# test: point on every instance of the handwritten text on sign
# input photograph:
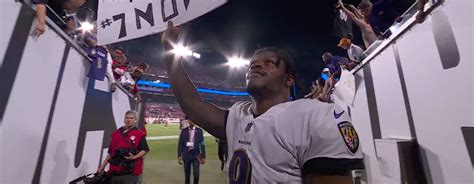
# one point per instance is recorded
(120, 20)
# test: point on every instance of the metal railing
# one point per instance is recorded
(395, 31)
(72, 42)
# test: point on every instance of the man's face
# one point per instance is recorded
(70, 24)
(113, 53)
(265, 72)
(191, 123)
(326, 59)
(130, 120)
(118, 55)
(345, 47)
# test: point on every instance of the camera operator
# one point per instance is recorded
(126, 150)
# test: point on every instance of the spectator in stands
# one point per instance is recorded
(126, 150)
(313, 90)
(126, 80)
(75, 11)
(420, 17)
(316, 88)
(121, 69)
(327, 89)
(40, 16)
(322, 89)
(222, 151)
(119, 61)
(333, 63)
(139, 70)
(136, 73)
(73, 7)
(118, 55)
(353, 51)
(382, 15)
(101, 64)
(191, 151)
(71, 25)
(85, 14)
(359, 18)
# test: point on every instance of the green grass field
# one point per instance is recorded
(161, 164)
(161, 130)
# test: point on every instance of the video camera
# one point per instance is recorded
(120, 160)
(93, 178)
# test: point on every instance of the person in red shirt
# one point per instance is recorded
(126, 150)
(119, 60)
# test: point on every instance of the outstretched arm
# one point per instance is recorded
(420, 17)
(41, 16)
(358, 21)
(206, 115)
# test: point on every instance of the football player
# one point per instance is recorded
(272, 139)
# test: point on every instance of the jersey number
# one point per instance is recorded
(240, 168)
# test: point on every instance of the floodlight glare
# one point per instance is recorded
(182, 51)
(236, 62)
(196, 55)
(86, 26)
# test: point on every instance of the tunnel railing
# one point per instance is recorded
(408, 20)
(72, 41)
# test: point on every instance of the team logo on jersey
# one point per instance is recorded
(349, 134)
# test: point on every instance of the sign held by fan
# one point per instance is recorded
(121, 20)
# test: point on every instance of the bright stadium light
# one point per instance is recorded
(86, 26)
(182, 50)
(196, 55)
(237, 62)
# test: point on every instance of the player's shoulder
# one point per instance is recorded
(310, 106)
(242, 103)
(241, 107)
(315, 109)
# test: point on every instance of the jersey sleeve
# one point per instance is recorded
(235, 115)
(329, 142)
(232, 115)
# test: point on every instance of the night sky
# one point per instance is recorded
(305, 28)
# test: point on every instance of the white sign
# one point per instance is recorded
(120, 20)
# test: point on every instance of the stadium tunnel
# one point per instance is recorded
(413, 107)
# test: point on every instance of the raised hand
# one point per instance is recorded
(171, 34)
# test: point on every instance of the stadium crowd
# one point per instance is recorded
(161, 111)
(78, 20)
(373, 18)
